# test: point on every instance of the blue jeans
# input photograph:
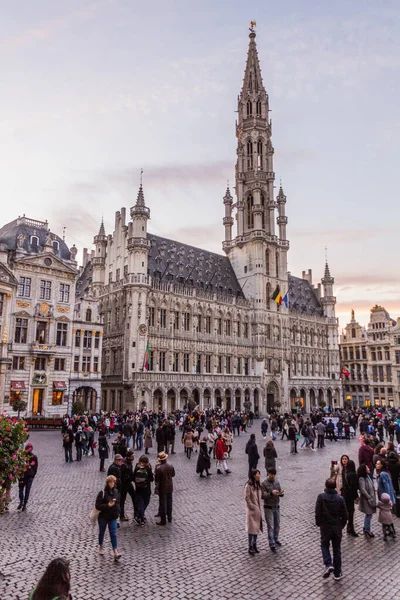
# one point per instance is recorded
(334, 536)
(112, 528)
(25, 487)
(139, 441)
(367, 522)
(306, 441)
(142, 502)
(273, 520)
(128, 441)
(252, 540)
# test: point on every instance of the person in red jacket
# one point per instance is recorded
(221, 454)
(365, 454)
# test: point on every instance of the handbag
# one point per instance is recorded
(94, 515)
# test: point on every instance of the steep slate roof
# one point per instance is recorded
(179, 263)
(84, 280)
(28, 227)
(302, 298)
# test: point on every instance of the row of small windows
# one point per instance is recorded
(45, 289)
(185, 362)
(202, 324)
(250, 155)
(308, 367)
(88, 339)
(41, 336)
(34, 243)
(20, 363)
(351, 353)
(86, 364)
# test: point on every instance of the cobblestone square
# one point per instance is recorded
(203, 552)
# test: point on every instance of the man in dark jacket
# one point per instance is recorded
(170, 436)
(161, 437)
(164, 474)
(68, 440)
(252, 453)
(25, 483)
(331, 517)
(115, 469)
(127, 484)
(127, 430)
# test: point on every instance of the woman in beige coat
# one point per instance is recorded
(188, 442)
(252, 499)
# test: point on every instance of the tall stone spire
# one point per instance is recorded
(252, 81)
(102, 231)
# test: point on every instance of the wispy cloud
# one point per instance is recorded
(51, 27)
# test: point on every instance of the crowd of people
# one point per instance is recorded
(369, 481)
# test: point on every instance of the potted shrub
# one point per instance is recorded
(13, 434)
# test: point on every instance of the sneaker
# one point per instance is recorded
(327, 572)
(278, 543)
(338, 576)
(137, 520)
(101, 550)
(273, 549)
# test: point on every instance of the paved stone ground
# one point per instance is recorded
(203, 553)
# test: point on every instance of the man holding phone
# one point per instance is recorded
(271, 492)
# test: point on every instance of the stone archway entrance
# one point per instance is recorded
(158, 400)
(321, 398)
(238, 399)
(207, 397)
(303, 397)
(87, 397)
(329, 397)
(312, 398)
(293, 398)
(195, 399)
(256, 401)
(218, 398)
(183, 398)
(171, 400)
(272, 395)
(228, 399)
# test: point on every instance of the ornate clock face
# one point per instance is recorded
(142, 329)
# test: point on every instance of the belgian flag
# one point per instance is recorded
(277, 296)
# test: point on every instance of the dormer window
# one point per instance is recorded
(88, 315)
(34, 241)
(56, 246)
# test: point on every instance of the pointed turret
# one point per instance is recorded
(102, 231)
(138, 244)
(252, 81)
(228, 219)
(328, 300)
(282, 218)
(99, 259)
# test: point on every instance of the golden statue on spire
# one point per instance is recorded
(252, 26)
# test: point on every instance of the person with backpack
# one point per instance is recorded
(80, 438)
(142, 478)
(68, 440)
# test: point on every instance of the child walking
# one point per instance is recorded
(386, 516)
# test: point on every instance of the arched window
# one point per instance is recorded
(260, 155)
(249, 108)
(277, 263)
(88, 315)
(267, 261)
(249, 155)
(34, 241)
(250, 216)
(258, 108)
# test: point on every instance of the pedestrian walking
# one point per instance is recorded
(26, 480)
(331, 518)
(104, 449)
(79, 441)
(221, 455)
(127, 486)
(271, 493)
(252, 453)
(68, 440)
(320, 428)
(188, 442)
(107, 502)
(142, 478)
(367, 503)
(270, 455)
(148, 440)
(252, 499)
(204, 460)
(55, 582)
(164, 480)
(386, 517)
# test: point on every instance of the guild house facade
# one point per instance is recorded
(184, 325)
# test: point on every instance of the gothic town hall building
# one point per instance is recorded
(187, 326)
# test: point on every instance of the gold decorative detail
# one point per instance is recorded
(44, 308)
(63, 309)
(23, 304)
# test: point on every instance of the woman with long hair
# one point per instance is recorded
(349, 490)
(368, 502)
(252, 498)
(54, 583)
(270, 455)
(107, 502)
(385, 485)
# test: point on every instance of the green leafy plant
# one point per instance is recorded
(19, 405)
(13, 434)
(77, 407)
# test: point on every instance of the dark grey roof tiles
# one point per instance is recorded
(27, 228)
(186, 265)
(84, 280)
(302, 298)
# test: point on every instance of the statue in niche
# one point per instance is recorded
(74, 252)
(20, 240)
(49, 239)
